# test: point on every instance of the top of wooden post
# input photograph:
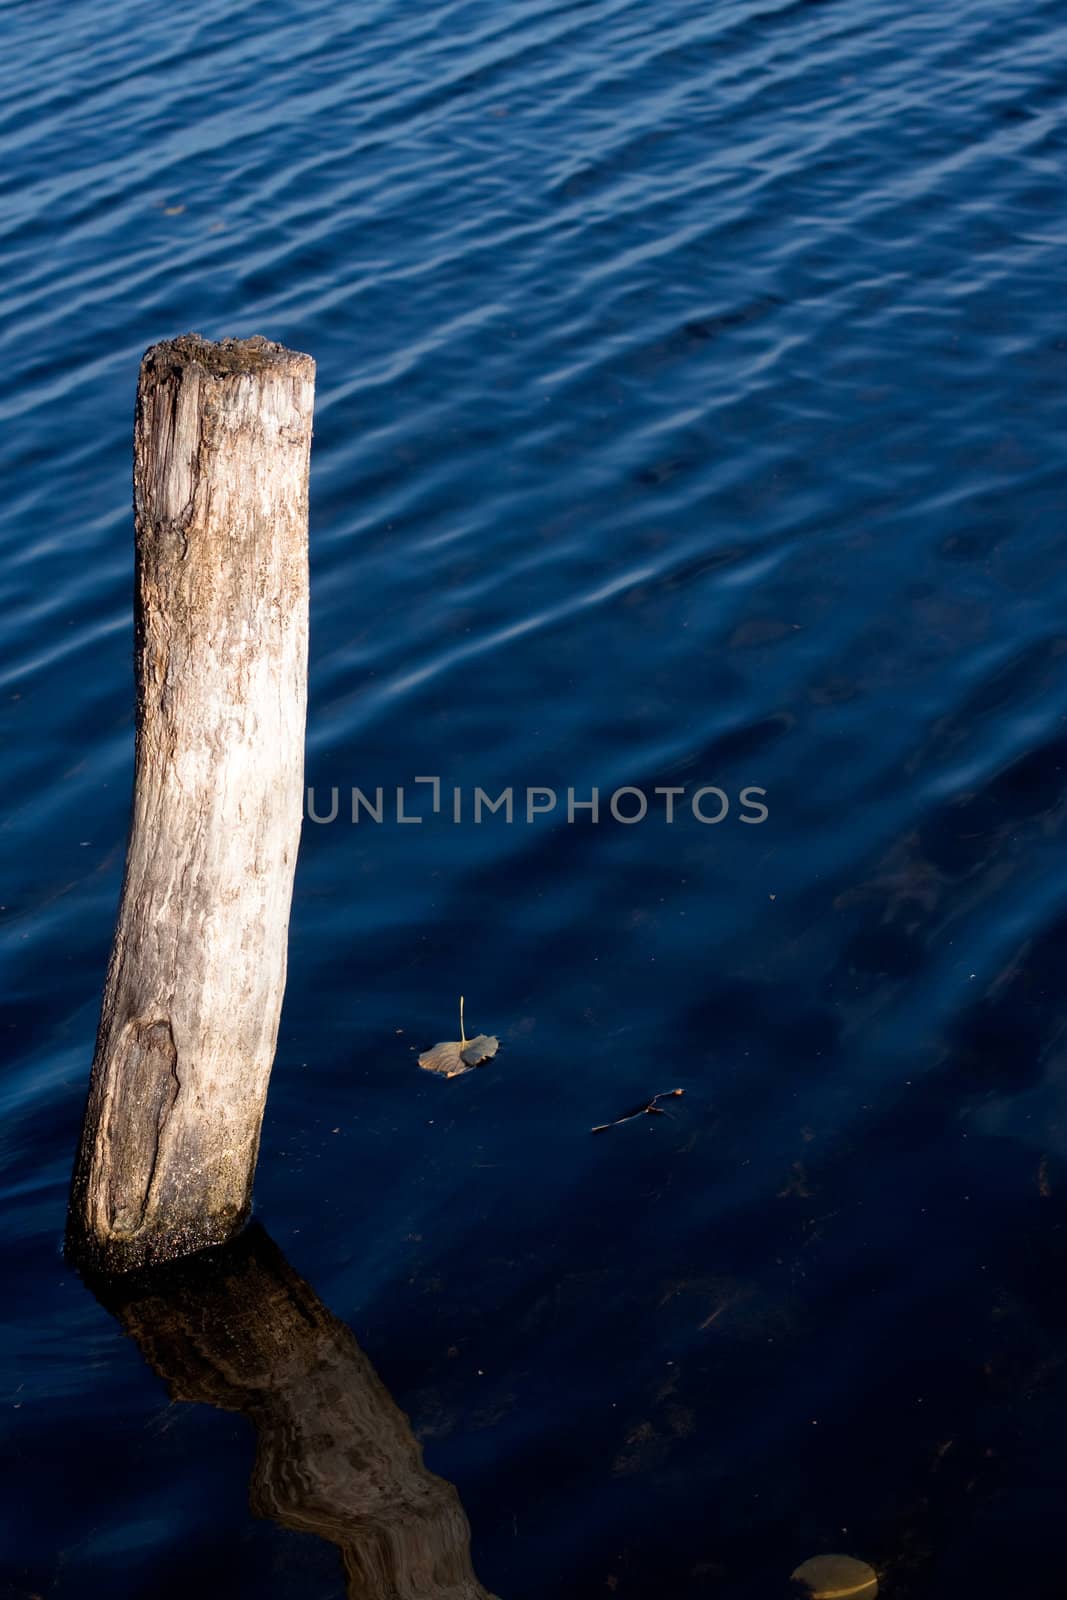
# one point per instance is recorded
(228, 358)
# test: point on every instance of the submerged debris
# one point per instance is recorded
(459, 1055)
(838, 1576)
(649, 1109)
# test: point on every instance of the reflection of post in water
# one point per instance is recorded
(237, 1328)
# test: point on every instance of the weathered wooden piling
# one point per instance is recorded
(194, 987)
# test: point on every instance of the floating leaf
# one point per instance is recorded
(444, 1058)
(837, 1578)
(480, 1049)
(459, 1055)
(649, 1108)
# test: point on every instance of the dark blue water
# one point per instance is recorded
(692, 394)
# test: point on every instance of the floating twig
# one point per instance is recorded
(649, 1109)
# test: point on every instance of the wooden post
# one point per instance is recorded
(194, 987)
(335, 1456)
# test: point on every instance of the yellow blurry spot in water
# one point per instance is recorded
(837, 1578)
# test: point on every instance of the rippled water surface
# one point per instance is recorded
(691, 412)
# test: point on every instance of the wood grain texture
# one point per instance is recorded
(335, 1456)
(194, 987)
